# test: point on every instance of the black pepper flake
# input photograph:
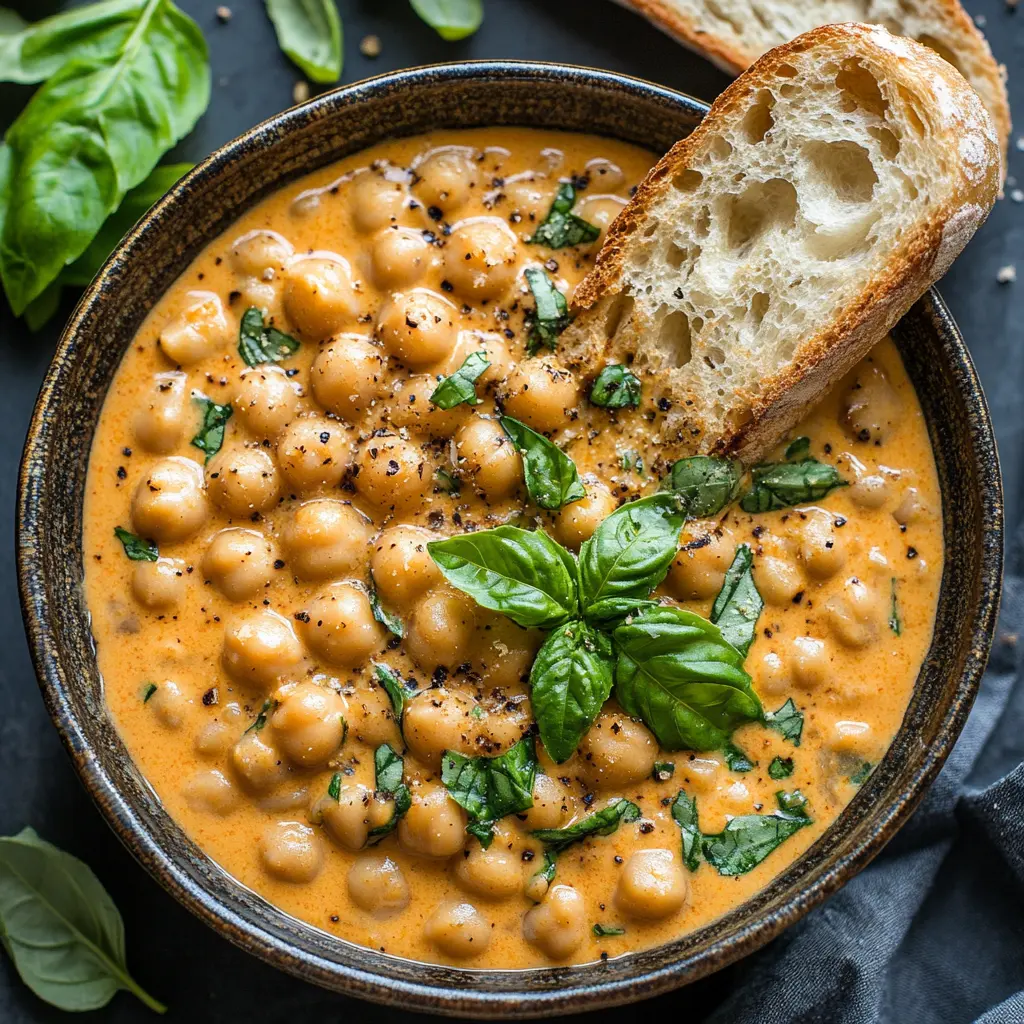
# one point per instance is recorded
(302, 616)
(438, 676)
(334, 918)
(838, 522)
(392, 469)
(447, 286)
(646, 827)
(211, 697)
(911, 552)
(121, 473)
(664, 404)
(278, 563)
(798, 597)
(126, 452)
(757, 532)
(324, 437)
(528, 855)
(617, 859)
(588, 799)
(435, 212)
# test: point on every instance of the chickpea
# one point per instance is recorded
(291, 852)
(159, 585)
(375, 201)
(605, 174)
(771, 675)
(459, 930)
(617, 751)
(871, 409)
(348, 376)
(210, 791)
(377, 885)
(480, 258)
(698, 571)
(577, 522)
(601, 210)
(259, 251)
(445, 177)
(409, 405)
(508, 652)
(242, 480)
(435, 721)
(488, 459)
(266, 400)
(822, 548)
(441, 630)
(810, 660)
(341, 628)
(160, 420)
(401, 566)
(313, 452)
(169, 503)
(199, 331)
(370, 718)
(393, 473)
(309, 723)
(553, 804)
(257, 762)
(851, 737)
(870, 491)
(541, 394)
(255, 291)
(238, 562)
(856, 613)
(325, 538)
(529, 194)
(494, 874)
(320, 297)
(350, 819)
(496, 349)
(777, 580)
(400, 257)
(434, 826)
(418, 328)
(911, 507)
(702, 773)
(652, 885)
(259, 648)
(214, 740)
(558, 925)
(169, 704)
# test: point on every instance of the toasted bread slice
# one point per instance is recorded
(766, 253)
(734, 33)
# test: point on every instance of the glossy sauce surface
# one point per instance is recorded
(390, 268)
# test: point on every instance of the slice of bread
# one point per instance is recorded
(766, 253)
(734, 33)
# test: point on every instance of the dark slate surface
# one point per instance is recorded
(961, 939)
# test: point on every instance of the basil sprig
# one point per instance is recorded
(552, 479)
(211, 432)
(561, 227)
(616, 388)
(489, 788)
(788, 721)
(738, 605)
(776, 485)
(460, 387)
(389, 769)
(551, 315)
(601, 823)
(137, 549)
(258, 343)
(705, 485)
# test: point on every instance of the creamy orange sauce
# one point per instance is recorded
(194, 625)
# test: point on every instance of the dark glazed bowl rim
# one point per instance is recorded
(431, 990)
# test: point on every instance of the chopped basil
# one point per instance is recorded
(392, 623)
(148, 689)
(797, 447)
(551, 315)
(444, 481)
(748, 839)
(630, 460)
(258, 343)
(137, 549)
(684, 814)
(334, 787)
(601, 823)
(788, 721)
(399, 692)
(562, 227)
(738, 605)
(895, 620)
(780, 768)
(663, 771)
(704, 484)
(737, 760)
(477, 712)
(603, 931)
(616, 388)
(264, 713)
(546, 871)
(551, 476)
(389, 769)
(861, 775)
(211, 433)
(776, 485)
(460, 387)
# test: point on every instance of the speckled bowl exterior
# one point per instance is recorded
(50, 554)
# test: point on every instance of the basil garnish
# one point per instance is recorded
(628, 556)
(705, 485)
(663, 771)
(265, 712)
(570, 680)
(451, 19)
(309, 32)
(677, 674)
(737, 760)
(551, 476)
(148, 690)
(776, 485)
(489, 788)
(334, 787)
(602, 823)
(460, 387)
(860, 776)
(551, 315)
(389, 769)
(392, 623)
(259, 344)
(684, 813)
(604, 931)
(780, 768)
(797, 447)
(562, 227)
(523, 574)
(399, 692)
(615, 388)
(895, 619)
(738, 605)
(211, 433)
(137, 549)
(444, 481)
(788, 721)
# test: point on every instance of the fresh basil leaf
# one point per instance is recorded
(334, 786)
(895, 620)
(389, 770)
(776, 485)
(663, 771)
(451, 19)
(309, 33)
(551, 476)
(570, 680)
(547, 869)
(797, 447)
(11, 22)
(211, 432)
(746, 840)
(737, 760)
(148, 689)
(601, 823)
(628, 556)
(604, 931)
(260, 722)
(137, 549)
(399, 692)
(551, 315)
(523, 574)
(860, 776)
(780, 768)
(630, 459)
(616, 388)
(61, 928)
(704, 484)
(258, 344)
(561, 227)
(392, 623)
(460, 387)
(43, 307)
(738, 605)
(677, 674)
(94, 131)
(788, 720)
(444, 481)
(684, 814)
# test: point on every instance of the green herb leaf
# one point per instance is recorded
(523, 574)
(895, 620)
(211, 433)
(444, 481)
(264, 714)
(738, 605)
(137, 549)
(788, 721)
(561, 227)
(747, 840)
(258, 344)
(630, 459)
(684, 813)
(94, 131)
(628, 556)
(451, 19)
(148, 689)
(861, 775)
(334, 786)
(737, 760)
(797, 447)
(460, 387)
(398, 691)
(780, 768)
(547, 869)
(601, 823)
(677, 674)
(309, 33)
(551, 315)
(61, 928)
(704, 484)
(616, 388)
(603, 931)
(776, 485)
(663, 771)
(392, 623)
(551, 476)
(389, 770)
(570, 680)
(43, 307)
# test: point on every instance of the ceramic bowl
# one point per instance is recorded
(50, 555)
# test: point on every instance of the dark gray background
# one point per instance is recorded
(202, 977)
